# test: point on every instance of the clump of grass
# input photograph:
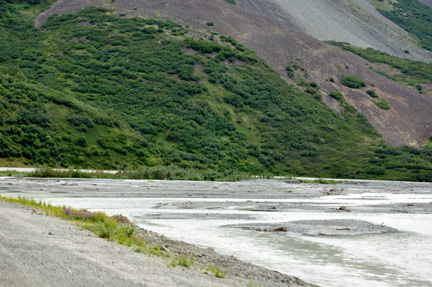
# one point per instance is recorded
(216, 271)
(182, 261)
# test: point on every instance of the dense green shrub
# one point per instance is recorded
(337, 95)
(203, 46)
(372, 93)
(352, 82)
(382, 104)
(81, 121)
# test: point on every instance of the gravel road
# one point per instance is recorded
(37, 250)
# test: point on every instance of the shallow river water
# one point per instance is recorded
(211, 214)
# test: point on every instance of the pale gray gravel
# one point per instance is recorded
(37, 250)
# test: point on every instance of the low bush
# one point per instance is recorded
(337, 95)
(382, 104)
(372, 93)
(352, 82)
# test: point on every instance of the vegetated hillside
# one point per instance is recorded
(414, 74)
(408, 120)
(96, 90)
(412, 15)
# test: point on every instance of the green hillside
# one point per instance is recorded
(410, 73)
(97, 91)
(412, 15)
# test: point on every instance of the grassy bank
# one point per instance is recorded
(112, 229)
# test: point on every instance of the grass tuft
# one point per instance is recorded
(216, 271)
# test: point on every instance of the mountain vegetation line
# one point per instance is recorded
(94, 90)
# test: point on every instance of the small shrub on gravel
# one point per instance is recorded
(352, 82)
(336, 95)
(372, 93)
(382, 104)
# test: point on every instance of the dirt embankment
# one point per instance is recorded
(36, 250)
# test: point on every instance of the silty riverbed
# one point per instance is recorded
(355, 233)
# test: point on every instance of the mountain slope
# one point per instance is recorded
(355, 21)
(95, 90)
(407, 122)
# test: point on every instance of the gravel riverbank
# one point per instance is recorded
(37, 250)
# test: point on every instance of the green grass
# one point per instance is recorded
(182, 261)
(216, 271)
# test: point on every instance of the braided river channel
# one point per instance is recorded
(353, 233)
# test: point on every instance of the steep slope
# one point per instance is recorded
(95, 90)
(102, 91)
(413, 16)
(355, 21)
(427, 2)
(406, 123)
